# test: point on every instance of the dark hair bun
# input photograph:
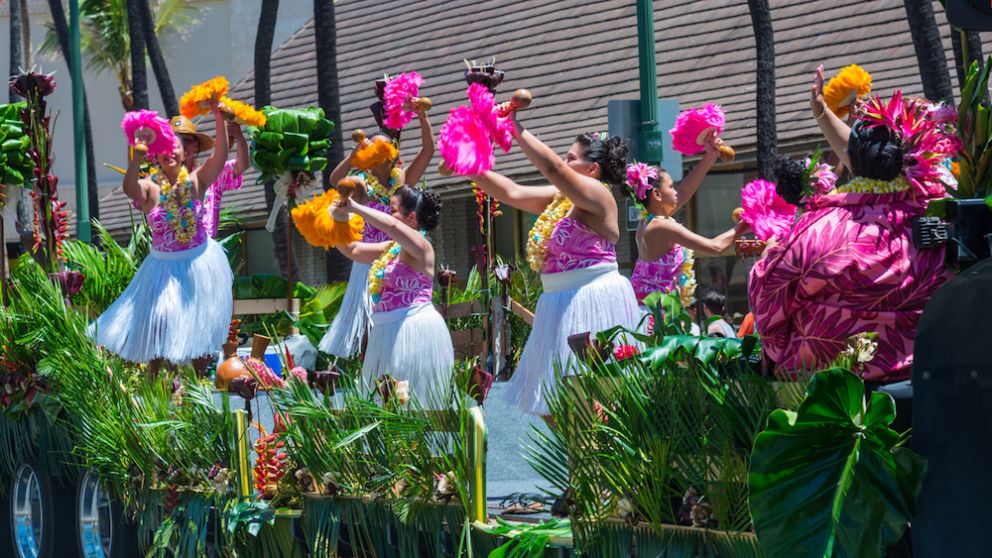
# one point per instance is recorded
(425, 203)
(789, 179)
(875, 152)
(611, 155)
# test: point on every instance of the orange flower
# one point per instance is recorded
(197, 100)
(956, 169)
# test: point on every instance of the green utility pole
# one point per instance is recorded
(649, 139)
(76, 69)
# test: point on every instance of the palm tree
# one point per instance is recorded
(105, 35)
(139, 74)
(16, 57)
(158, 61)
(61, 28)
(764, 39)
(325, 39)
(929, 50)
(263, 51)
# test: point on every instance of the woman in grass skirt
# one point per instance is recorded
(178, 306)
(409, 340)
(572, 245)
(344, 338)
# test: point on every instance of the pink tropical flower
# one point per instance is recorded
(768, 214)
(623, 352)
(639, 176)
(691, 127)
(397, 93)
(267, 379)
(943, 114)
(823, 177)
(299, 373)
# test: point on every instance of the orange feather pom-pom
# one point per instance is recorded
(373, 153)
(243, 113)
(197, 100)
(319, 229)
(850, 84)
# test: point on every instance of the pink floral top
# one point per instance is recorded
(848, 266)
(227, 181)
(164, 235)
(403, 287)
(575, 246)
(661, 275)
(370, 233)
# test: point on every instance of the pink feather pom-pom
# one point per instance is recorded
(464, 143)
(398, 91)
(768, 214)
(691, 127)
(155, 131)
(500, 128)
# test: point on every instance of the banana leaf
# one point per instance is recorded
(830, 479)
(16, 168)
(291, 140)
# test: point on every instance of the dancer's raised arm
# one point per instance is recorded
(137, 189)
(532, 199)
(672, 231)
(833, 128)
(418, 166)
(690, 183)
(208, 173)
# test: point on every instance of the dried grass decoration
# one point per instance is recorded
(196, 101)
(850, 84)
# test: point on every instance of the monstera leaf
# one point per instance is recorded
(291, 140)
(830, 480)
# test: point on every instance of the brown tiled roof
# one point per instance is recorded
(576, 56)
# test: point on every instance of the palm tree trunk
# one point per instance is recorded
(62, 30)
(263, 52)
(139, 75)
(26, 35)
(159, 66)
(16, 55)
(764, 40)
(929, 51)
(325, 37)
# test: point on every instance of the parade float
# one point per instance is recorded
(664, 443)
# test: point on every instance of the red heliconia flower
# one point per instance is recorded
(623, 352)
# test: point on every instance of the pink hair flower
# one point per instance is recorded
(765, 211)
(397, 93)
(639, 176)
(822, 177)
(150, 129)
(692, 127)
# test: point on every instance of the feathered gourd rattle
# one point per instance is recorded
(767, 213)
(694, 125)
(149, 133)
(469, 137)
(319, 227)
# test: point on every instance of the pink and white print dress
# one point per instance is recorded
(178, 306)
(659, 276)
(583, 291)
(409, 339)
(848, 266)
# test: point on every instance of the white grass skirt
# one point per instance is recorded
(344, 338)
(411, 344)
(177, 307)
(591, 299)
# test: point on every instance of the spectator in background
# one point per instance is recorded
(714, 306)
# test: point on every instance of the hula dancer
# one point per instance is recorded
(572, 245)
(178, 306)
(409, 340)
(344, 338)
(664, 246)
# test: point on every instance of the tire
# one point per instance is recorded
(40, 515)
(102, 527)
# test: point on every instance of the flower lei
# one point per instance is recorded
(179, 208)
(862, 185)
(378, 269)
(379, 192)
(540, 233)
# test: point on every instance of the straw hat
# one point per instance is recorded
(183, 125)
